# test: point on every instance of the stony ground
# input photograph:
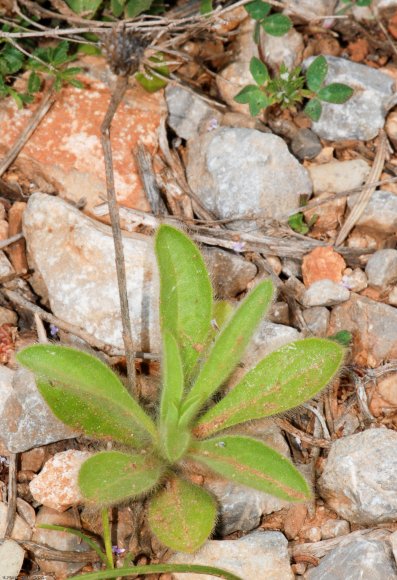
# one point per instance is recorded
(233, 181)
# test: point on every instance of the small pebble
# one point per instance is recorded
(305, 144)
(392, 298)
(325, 293)
(334, 528)
(312, 534)
(381, 268)
(356, 281)
(317, 319)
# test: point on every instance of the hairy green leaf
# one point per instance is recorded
(159, 569)
(336, 93)
(135, 7)
(182, 515)
(258, 9)
(85, 394)
(313, 109)
(117, 7)
(174, 440)
(259, 71)
(85, 7)
(250, 462)
(283, 380)
(228, 348)
(277, 24)
(111, 476)
(316, 73)
(172, 388)
(206, 6)
(185, 293)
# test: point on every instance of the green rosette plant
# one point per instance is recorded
(153, 454)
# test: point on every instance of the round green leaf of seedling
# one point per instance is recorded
(316, 73)
(313, 109)
(258, 9)
(259, 71)
(336, 93)
(252, 463)
(277, 25)
(110, 477)
(182, 515)
(246, 94)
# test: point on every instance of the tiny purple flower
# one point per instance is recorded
(118, 551)
(345, 282)
(53, 330)
(328, 22)
(238, 246)
(213, 124)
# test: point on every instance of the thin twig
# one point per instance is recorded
(71, 328)
(42, 110)
(365, 195)
(12, 494)
(11, 240)
(47, 553)
(320, 418)
(148, 179)
(319, 549)
(306, 437)
(117, 97)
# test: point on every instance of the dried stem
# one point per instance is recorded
(12, 494)
(117, 97)
(305, 437)
(70, 328)
(40, 113)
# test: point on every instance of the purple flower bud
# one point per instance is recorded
(213, 124)
(53, 330)
(238, 246)
(118, 551)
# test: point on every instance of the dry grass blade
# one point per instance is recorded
(365, 195)
(12, 494)
(45, 105)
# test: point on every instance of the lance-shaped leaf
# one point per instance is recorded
(252, 463)
(182, 515)
(110, 477)
(228, 349)
(174, 441)
(185, 293)
(172, 388)
(283, 380)
(85, 394)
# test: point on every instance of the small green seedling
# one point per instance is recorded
(351, 3)
(273, 24)
(50, 61)
(287, 88)
(298, 223)
(155, 455)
